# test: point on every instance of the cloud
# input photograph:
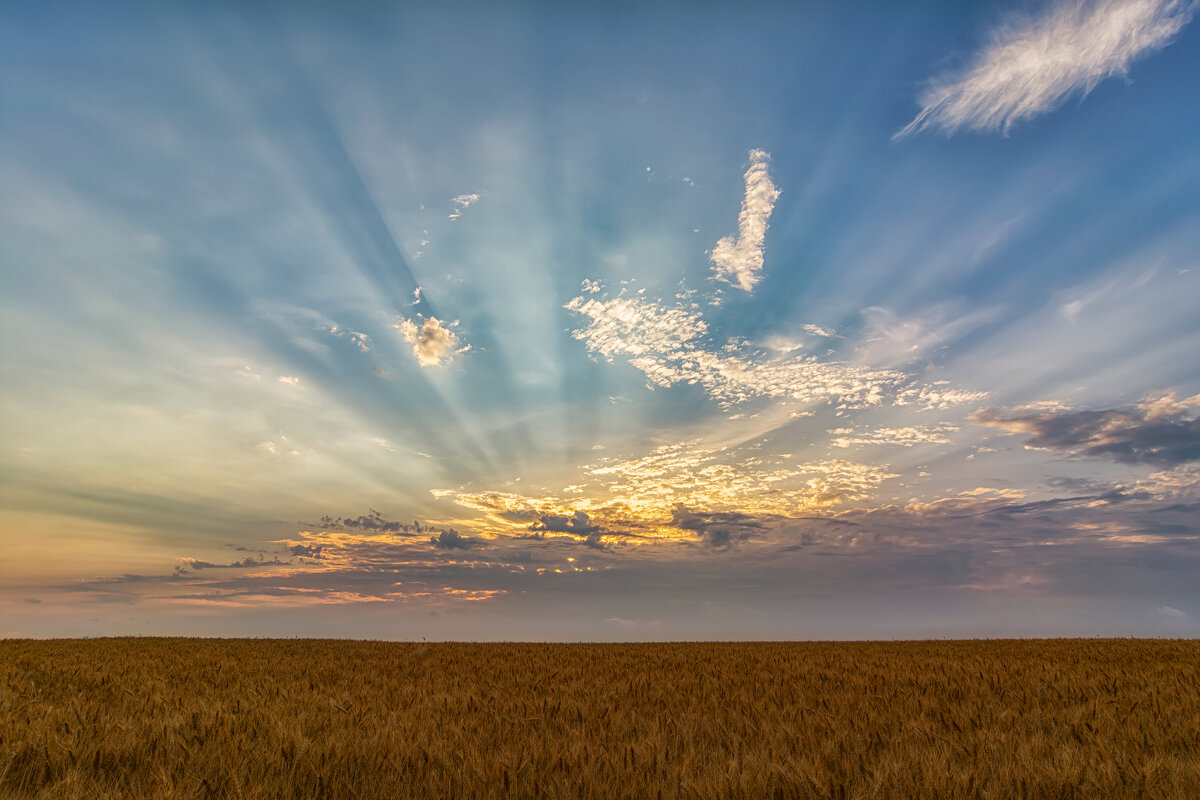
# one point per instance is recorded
(637, 501)
(360, 340)
(1033, 63)
(739, 261)
(904, 437)
(290, 380)
(669, 344)
(1156, 431)
(817, 330)
(719, 529)
(461, 202)
(578, 523)
(451, 539)
(1171, 613)
(374, 521)
(432, 342)
(246, 563)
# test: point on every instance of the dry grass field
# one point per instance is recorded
(194, 718)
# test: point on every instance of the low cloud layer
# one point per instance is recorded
(1034, 63)
(1157, 431)
(738, 260)
(433, 343)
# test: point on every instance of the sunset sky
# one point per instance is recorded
(600, 321)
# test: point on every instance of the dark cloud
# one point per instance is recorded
(196, 564)
(451, 539)
(307, 550)
(1150, 433)
(578, 523)
(373, 521)
(719, 529)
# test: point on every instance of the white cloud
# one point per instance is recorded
(669, 345)
(290, 380)
(1033, 64)
(360, 340)
(432, 342)
(634, 326)
(739, 261)
(817, 330)
(461, 202)
(937, 397)
(903, 437)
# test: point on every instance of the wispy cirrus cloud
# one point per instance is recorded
(1156, 431)
(1033, 63)
(433, 343)
(738, 260)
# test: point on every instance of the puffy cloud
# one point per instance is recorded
(1156, 431)
(432, 342)
(451, 539)
(739, 260)
(1032, 64)
(719, 529)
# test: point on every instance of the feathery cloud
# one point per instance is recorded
(739, 261)
(1033, 64)
(432, 342)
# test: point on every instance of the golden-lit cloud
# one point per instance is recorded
(635, 500)
(433, 343)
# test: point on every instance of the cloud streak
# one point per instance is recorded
(739, 260)
(1033, 64)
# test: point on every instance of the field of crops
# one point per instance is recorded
(195, 718)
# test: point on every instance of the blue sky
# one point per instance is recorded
(591, 322)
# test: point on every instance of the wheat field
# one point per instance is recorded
(210, 718)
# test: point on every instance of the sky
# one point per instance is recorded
(600, 321)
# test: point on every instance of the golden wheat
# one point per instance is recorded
(194, 718)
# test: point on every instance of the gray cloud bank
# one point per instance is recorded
(1156, 432)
